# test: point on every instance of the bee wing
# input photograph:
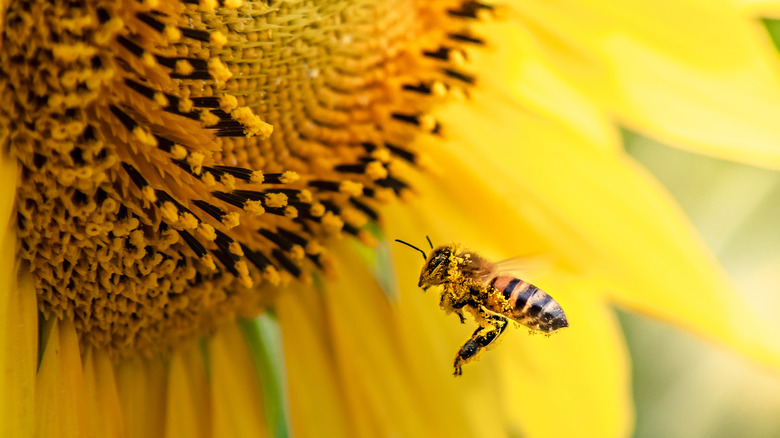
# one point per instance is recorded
(524, 264)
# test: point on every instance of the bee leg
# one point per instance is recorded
(493, 326)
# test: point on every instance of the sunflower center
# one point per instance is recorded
(179, 159)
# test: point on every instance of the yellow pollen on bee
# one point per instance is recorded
(233, 4)
(208, 5)
(178, 152)
(254, 208)
(257, 177)
(183, 67)
(218, 70)
(376, 170)
(188, 221)
(231, 220)
(272, 275)
(276, 200)
(351, 188)
(291, 212)
(457, 57)
(384, 195)
(148, 59)
(289, 177)
(207, 232)
(243, 274)
(170, 212)
(252, 123)
(217, 39)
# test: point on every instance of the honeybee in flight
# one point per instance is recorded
(490, 293)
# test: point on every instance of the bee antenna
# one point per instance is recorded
(425, 257)
(429, 241)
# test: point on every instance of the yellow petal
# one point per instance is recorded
(185, 413)
(142, 391)
(105, 412)
(541, 186)
(696, 75)
(317, 405)
(60, 399)
(236, 402)
(19, 318)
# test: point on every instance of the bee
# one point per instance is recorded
(490, 293)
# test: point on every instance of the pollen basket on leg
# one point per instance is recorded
(181, 159)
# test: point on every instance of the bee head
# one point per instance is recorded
(437, 267)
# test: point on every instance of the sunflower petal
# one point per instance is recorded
(185, 413)
(142, 393)
(236, 396)
(104, 408)
(706, 81)
(61, 406)
(265, 345)
(19, 317)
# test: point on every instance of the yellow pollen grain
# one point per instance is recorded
(289, 177)
(144, 136)
(228, 103)
(195, 160)
(231, 220)
(313, 248)
(305, 196)
(272, 275)
(457, 57)
(427, 122)
(207, 5)
(235, 248)
(170, 212)
(186, 104)
(297, 252)
(228, 181)
(439, 89)
(218, 70)
(148, 59)
(233, 4)
(351, 188)
(331, 222)
(317, 210)
(172, 34)
(161, 99)
(148, 193)
(276, 200)
(208, 179)
(189, 221)
(383, 194)
(183, 67)
(375, 170)
(291, 212)
(178, 152)
(208, 262)
(353, 217)
(207, 232)
(243, 274)
(254, 207)
(252, 123)
(257, 177)
(382, 155)
(207, 118)
(73, 52)
(217, 39)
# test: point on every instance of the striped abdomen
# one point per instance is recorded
(526, 304)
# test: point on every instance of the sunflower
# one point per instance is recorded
(173, 169)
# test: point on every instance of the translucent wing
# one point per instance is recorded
(524, 265)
